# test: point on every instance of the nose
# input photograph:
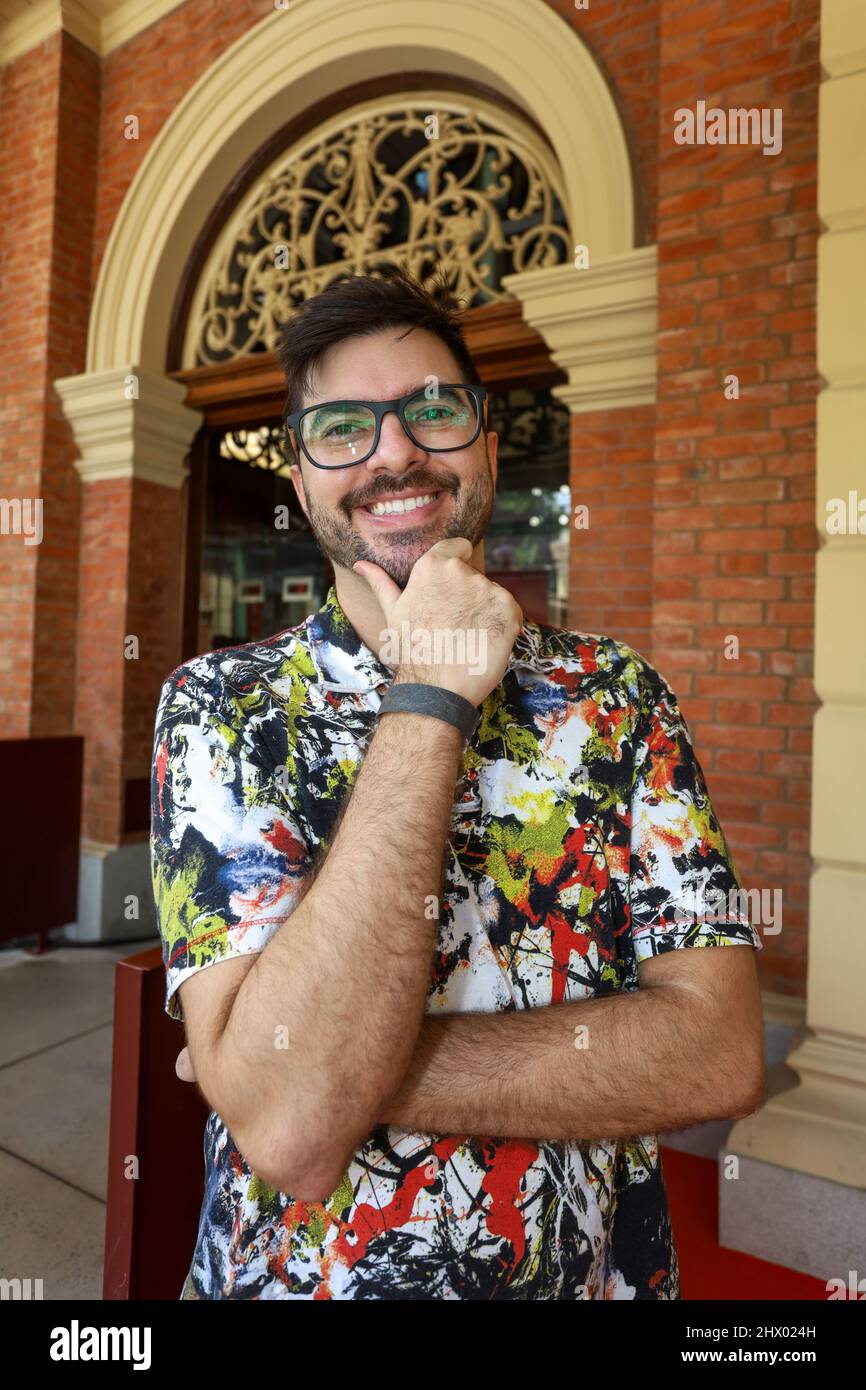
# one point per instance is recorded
(395, 450)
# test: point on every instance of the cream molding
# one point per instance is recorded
(145, 437)
(818, 1126)
(843, 37)
(600, 325)
(281, 66)
(102, 25)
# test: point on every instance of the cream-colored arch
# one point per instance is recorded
(297, 56)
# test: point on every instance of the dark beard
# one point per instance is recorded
(398, 551)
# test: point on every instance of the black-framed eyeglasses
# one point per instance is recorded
(342, 434)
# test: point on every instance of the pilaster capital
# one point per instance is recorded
(129, 423)
(600, 326)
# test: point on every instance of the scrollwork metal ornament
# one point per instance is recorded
(425, 180)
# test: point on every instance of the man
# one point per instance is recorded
(448, 891)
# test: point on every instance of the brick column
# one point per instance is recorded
(133, 432)
(49, 132)
(734, 475)
(600, 326)
(611, 561)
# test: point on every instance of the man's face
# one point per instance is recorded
(378, 368)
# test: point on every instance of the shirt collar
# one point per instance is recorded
(344, 663)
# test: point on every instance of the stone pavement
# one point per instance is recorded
(56, 1014)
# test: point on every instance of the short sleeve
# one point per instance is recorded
(228, 859)
(684, 888)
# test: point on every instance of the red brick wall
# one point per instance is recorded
(75, 181)
(25, 249)
(148, 77)
(48, 113)
(623, 38)
(611, 561)
(28, 101)
(105, 579)
(153, 614)
(131, 541)
(734, 508)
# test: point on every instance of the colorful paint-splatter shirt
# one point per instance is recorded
(581, 841)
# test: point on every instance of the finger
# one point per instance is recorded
(456, 546)
(383, 586)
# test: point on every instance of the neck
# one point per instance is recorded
(362, 608)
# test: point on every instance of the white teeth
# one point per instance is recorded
(405, 504)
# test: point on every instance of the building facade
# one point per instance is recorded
(661, 247)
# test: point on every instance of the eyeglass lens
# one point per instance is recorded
(340, 433)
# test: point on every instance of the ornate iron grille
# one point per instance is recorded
(426, 181)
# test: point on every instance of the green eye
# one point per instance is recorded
(447, 409)
(342, 428)
(335, 426)
(432, 414)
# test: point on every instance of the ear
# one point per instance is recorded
(492, 457)
(298, 483)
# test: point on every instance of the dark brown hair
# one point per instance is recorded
(358, 306)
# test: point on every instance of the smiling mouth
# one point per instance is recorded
(411, 504)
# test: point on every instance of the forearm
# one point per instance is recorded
(347, 974)
(647, 1061)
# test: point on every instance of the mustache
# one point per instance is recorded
(414, 485)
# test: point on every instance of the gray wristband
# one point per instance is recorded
(410, 698)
